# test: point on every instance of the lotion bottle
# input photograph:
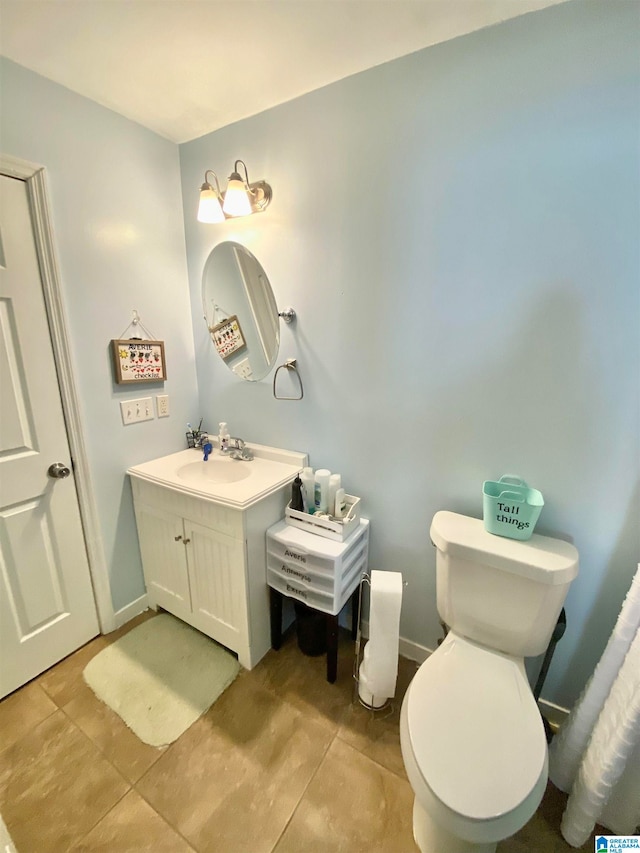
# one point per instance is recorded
(340, 505)
(308, 489)
(322, 489)
(334, 485)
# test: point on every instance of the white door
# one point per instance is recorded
(47, 608)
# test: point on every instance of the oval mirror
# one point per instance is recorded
(240, 311)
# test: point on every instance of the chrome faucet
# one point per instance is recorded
(236, 449)
(230, 443)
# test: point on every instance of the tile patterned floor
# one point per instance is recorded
(282, 762)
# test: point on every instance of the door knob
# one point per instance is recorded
(58, 471)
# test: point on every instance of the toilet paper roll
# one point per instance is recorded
(364, 689)
(384, 632)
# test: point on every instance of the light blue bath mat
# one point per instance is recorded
(160, 677)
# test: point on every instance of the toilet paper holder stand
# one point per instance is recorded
(388, 706)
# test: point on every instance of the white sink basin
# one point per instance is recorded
(215, 471)
(233, 482)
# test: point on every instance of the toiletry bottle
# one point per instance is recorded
(308, 489)
(296, 495)
(340, 505)
(334, 485)
(322, 489)
(223, 436)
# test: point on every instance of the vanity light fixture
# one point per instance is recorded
(236, 198)
(240, 199)
(210, 209)
(243, 197)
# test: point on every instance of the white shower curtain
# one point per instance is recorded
(596, 755)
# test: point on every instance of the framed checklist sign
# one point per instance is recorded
(138, 361)
(227, 336)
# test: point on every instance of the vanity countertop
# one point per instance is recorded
(234, 483)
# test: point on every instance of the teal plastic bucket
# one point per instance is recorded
(510, 507)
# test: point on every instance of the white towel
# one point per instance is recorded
(595, 755)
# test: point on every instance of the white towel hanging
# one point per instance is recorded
(596, 755)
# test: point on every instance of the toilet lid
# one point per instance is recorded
(475, 729)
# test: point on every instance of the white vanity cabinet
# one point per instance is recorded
(205, 562)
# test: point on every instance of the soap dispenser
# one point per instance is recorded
(223, 436)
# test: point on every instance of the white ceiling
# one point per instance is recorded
(186, 67)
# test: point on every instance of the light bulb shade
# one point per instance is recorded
(209, 209)
(236, 198)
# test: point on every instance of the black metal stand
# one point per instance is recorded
(331, 627)
(558, 633)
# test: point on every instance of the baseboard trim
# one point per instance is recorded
(413, 651)
(554, 714)
(127, 613)
(407, 648)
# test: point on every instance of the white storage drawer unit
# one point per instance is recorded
(317, 571)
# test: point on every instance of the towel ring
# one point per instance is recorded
(290, 364)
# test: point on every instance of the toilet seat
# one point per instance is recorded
(476, 738)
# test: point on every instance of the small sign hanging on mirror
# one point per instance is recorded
(227, 336)
(136, 360)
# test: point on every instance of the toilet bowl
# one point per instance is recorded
(472, 738)
(474, 748)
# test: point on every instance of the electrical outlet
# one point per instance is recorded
(243, 369)
(134, 411)
(162, 405)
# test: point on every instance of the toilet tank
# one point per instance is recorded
(502, 593)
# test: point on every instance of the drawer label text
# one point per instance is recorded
(296, 574)
(295, 556)
(296, 591)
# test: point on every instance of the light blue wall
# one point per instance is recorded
(458, 232)
(117, 211)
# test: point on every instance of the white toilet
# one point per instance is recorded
(472, 738)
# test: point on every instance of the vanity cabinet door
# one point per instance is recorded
(205, 563)
(162, 545)
(216, 564)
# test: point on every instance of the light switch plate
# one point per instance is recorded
(134, 411)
